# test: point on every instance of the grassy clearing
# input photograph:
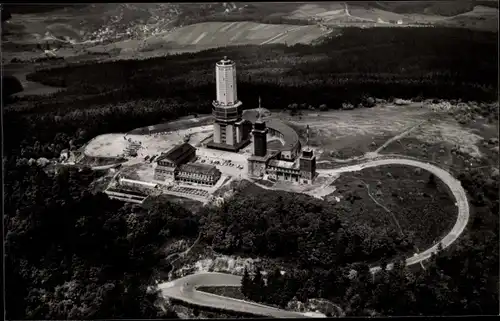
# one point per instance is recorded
(424, 212)
(443, 154)
(228, 291)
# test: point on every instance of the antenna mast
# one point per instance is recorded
(307, 137)
(260, 110)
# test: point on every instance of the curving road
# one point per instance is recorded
(453, 184)
(185, 288)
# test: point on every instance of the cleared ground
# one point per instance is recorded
(113, 145)
(335, 136)
(363, 130)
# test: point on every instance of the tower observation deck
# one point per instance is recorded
(230, 131)
(226, 107)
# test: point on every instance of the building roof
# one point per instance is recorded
(176, 152)
(225, 61)
(290, 136)
(195, 168)
(283, 164)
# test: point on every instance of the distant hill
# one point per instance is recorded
(438, 8)
(38, 8)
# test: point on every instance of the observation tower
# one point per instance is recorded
(230, 131)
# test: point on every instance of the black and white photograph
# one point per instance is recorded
(219, 160)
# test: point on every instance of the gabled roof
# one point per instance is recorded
(195, 168)
(177, 152)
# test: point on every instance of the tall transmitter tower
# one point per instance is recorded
(230, 132)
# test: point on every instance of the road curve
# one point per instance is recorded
(453, 184)
(185, 288)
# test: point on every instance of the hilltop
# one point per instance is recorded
(78, 27)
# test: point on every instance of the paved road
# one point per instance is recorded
(185, 288)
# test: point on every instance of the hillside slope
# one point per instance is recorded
(217, 34)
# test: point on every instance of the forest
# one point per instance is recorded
(299, 230)
(440, 8)
(54, 222)
(54, 226)
(460, 281)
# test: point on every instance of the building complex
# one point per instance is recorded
(280, 164)
(232, 131)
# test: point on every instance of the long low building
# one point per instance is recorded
(198, 173)
(177, 165)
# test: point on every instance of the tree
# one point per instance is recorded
(369, 102)
(274, 288)
(432, 180)
(246, 283)
(258, 285)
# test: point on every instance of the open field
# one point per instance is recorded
(451, 146)
(208, 35)
(306, 11)
(144, 30)
(179, 124)
(113, 145)
(350, 133)
(481, 17)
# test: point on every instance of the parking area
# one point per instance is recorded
(230, 164)
(223, 163)
(226, 166)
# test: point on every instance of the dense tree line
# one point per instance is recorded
(439, 8)
(459, 281)
(53, 270)
(298, 229)
(10, 86)
(71, 254)
(382, 62)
